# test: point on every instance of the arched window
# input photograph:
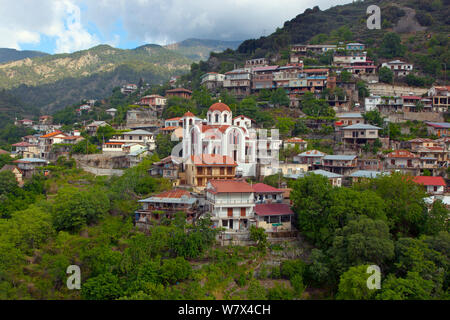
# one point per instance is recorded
(225, 118)
(209, 118)
(190, 122)
(217, 117)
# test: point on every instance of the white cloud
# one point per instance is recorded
(144, 21)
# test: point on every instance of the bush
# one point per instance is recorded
(291, 268)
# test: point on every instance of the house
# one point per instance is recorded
(93, 127)
(153, 100)
(170, 168)
(263, 78)
(434, 185)
(24, 123)
(418, 143)
(166, 205)
(232, 205)
(267, 194)
(175, 132)
(135, 153)
(440, 98)
(47, 141)
(16, 171)
(112, 112)
(238, 82)
(45, 120)
(402, 160)
(361, 175)
(292, 142)
(312, 158)
(355, 46)
(28, 166)
(26, 150)
(371, 103)
(173, 122)
(370, 163)
(440, 129)
(274, 217)
(334, 179)
(128, 88)
(399, 68)
(258, 62)
(411, 104)
(347, 119)
(358, 134)
(202, 168)
(283, 76)
(179, 92)
(142, 137)
(212, 80)
(340, 164)
(268, 169)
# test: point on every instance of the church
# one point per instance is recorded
(221, 134)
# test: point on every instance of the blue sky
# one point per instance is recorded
(60, 26)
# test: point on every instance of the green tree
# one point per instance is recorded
(391, 46)
(437, 219)
(413, 287)
(280, 98)
(73, 209)
(164, 145)
(259, 236)
(353, 284)
(103, 287)
(386, 75)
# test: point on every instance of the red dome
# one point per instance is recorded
(220, 107)
(188, 114)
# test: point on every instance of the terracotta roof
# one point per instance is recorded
(233, 186)
(419, 140)
(179, 90)
(174, 119)
(52, 134)
(295, 140)
(188, 114)
(264, 188)
(273, 209)
(430, 181)
(207, 127)
(412, 97)
(241, 117)
(22, 144)
(315, 70)
(9, 167)
(169, 128)
(3, 151)
(401, 154)
(212, 160)
(115, 143)
(174, 194)
(220, 107)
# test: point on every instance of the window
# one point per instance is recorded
(230, 212)
(225, 223)
(242, 212)
(217, 118)
(225, 118)
(140, 137)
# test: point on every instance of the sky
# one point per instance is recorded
(64, 26)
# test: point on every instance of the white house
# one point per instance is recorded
(232, 204)
(399, 68)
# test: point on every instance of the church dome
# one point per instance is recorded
(219, 106)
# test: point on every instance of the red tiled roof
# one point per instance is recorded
(207, 127)
(115, 143)
(179, 90)
(233, 186)
(315, 70)
(273, 209)
(420, 140)
(212, 160)
(52, 134)
(189, 114)
(412, 97)
(430, 181)
(264, 188)
(241, 117)
(22, 144)
(3, 151)
(169, 128)
(220, 107)
(174, 119)
(401, 154)
(295, 140)
(173, 194)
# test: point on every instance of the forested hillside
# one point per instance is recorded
(7, 54)
(423, 27)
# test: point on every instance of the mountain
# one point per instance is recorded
(7, 55)
(199, 49)
(52, 82)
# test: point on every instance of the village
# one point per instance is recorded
(220, 163)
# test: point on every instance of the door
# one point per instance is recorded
(230, 212)
(242, 212)
(231, 224)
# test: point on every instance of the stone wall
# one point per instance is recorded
(382, 89)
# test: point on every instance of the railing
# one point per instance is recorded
(229, 202)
